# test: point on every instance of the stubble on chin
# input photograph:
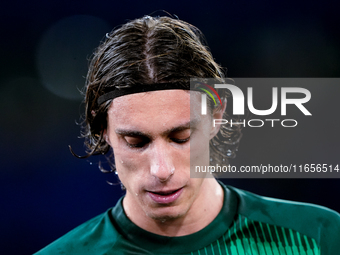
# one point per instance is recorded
(162, 217)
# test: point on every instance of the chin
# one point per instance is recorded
(166, 214)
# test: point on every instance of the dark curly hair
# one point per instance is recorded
(149, 50)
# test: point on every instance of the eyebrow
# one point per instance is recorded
(126, 132)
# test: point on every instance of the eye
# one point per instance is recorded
(182, 136)
(136, 141)
(176, 140)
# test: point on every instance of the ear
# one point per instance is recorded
(106, 137)
(217, 114)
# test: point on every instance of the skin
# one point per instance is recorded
(153, 136)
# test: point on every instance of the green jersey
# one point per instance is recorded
(247, 224)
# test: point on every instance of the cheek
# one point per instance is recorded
(199, 154)
(199, 144)
(128, 168)
(126, 164)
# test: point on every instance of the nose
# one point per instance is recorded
(161, 165)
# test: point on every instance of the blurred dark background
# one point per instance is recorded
(45, 46)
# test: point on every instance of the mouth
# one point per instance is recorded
(165, 197)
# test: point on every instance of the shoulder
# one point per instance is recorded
(88, 234)
(317, 222)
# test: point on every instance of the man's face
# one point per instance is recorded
(151, 134)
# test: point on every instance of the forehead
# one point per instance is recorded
(147, 110)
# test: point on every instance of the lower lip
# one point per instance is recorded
(165, 199)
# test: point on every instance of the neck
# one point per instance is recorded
(203, 211)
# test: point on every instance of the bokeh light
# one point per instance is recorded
(61, 53)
